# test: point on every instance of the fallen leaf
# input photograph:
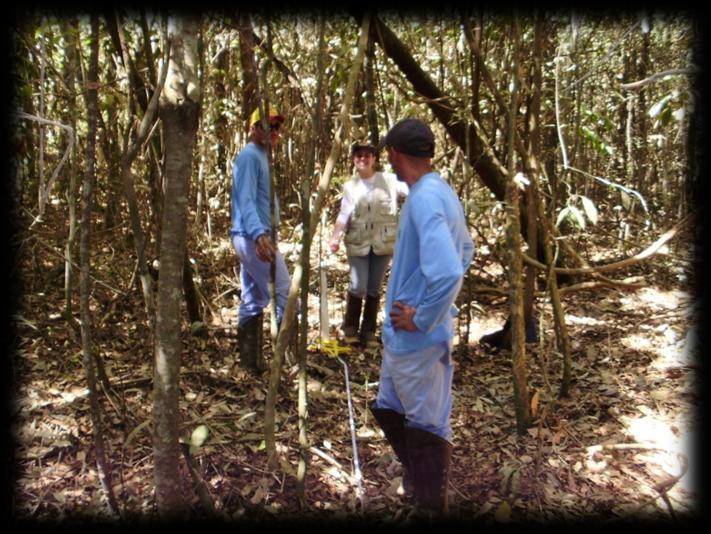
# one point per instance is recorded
(503, 513)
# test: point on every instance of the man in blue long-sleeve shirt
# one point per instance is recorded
(432, 253)
(251, 237)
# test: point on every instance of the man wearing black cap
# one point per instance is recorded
(432, 253)
(251, 237)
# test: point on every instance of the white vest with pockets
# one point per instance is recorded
(373, 223)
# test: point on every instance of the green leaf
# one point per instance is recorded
(198, 327)
(665, 116)
(572, 213)
(577, 216)
(562, 215)
(198, 437)
(590, 209)
(626, 200)
(657, 108)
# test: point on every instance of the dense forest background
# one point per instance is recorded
(572, 139)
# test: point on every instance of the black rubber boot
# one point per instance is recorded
(430, 457)
(250, 339)
(501, 339)
(350, 321)
(393, 425)
(370, 320)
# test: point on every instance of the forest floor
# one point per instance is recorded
(620, 446)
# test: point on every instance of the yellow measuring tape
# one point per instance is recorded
(331, 347)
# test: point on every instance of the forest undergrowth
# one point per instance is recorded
(619, 447)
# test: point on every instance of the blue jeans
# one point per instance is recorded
(254, 276)
(419, 385)
(367, 274)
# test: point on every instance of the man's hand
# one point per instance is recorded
(334, 244)
(266, 251)
(401, 316)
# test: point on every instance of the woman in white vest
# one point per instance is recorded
(368, 217)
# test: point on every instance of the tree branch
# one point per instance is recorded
(634, 86)
(649, 251)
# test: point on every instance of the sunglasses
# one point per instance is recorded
(272, 126)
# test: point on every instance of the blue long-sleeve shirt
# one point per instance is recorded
(250, 193)
(432, 253)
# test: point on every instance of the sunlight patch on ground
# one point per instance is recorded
(664, 344)
(673, 452)
(648, 429)
(640, 342)
(589, 321)
(657, 299)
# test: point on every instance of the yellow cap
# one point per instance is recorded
(273, 115)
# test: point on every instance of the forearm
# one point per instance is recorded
(338, 229)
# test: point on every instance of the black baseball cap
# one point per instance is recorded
(363, 145)
(410, 136)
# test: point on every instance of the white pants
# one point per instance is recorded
(419, 385)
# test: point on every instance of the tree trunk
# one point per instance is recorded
(221, 126)
(249, 68)
(305, 266)
(139, 93)
(72, 66)
(179, 109)
(85, 273)
(139, 238)
(694, 186)
(41, 139)
(642, 166)
(112, 158)
(373, 131)
(534, 149)
(515, 261)
(474, 38)
(290, 310)
(191, 298)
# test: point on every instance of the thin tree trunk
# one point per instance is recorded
(546, 235)
(200, 202)
(192, 303)
(221, 126)
(563, 341)
(112, 159)
(515, 261)
(71, 38)
(85, 272)
(316, 118)
(139, 92)
(534, 149)
(179, 109)
(302, 401)
(373, 131)
(631, 167)
(41, 186)
(341, 133)
(265, 107)
(249, 69)
(129, 155)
